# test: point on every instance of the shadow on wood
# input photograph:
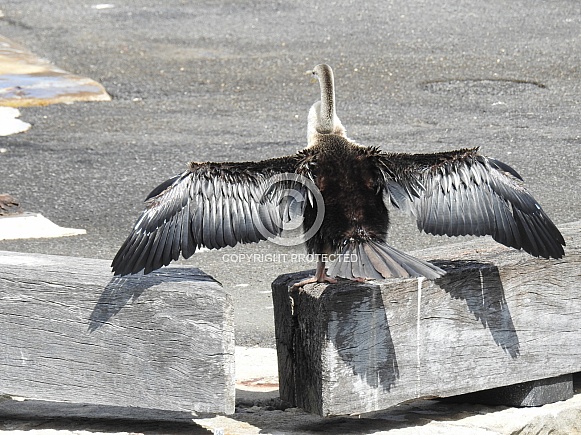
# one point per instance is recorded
(480, 286)
(360, 333)
(120, 290)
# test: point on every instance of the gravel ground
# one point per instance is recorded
(224, 80)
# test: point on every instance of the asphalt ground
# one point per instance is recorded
(224, 80)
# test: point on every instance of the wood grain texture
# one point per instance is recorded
(71, 332)
(499, 317)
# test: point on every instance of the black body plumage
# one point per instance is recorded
(450, 193)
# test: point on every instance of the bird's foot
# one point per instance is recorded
(313, 280)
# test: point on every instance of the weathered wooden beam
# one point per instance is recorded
(533, 393)
(499, 317)
(71, 332)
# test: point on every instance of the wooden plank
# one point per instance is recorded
(71, 332)
(533, 393)
(499, 317)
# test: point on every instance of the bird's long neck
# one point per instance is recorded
(322, 117)
(327, 113)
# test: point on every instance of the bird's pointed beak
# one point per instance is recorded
(312, 74)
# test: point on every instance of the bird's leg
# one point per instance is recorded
(321, 273)
(320, 276)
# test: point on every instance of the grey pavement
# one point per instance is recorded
(224, 80)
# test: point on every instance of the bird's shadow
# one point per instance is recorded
(120, 290)
(480, 286)
(362, 336)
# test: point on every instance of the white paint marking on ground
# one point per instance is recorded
(9, 124)
(103, 6)
(33, 226)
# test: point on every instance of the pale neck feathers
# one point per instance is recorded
(322, 116)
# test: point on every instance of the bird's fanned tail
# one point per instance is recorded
(375, 259)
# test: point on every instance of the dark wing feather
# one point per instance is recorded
(464, 193)
(212, 205)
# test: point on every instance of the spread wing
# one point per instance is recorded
(212, 205)
(464, 193)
